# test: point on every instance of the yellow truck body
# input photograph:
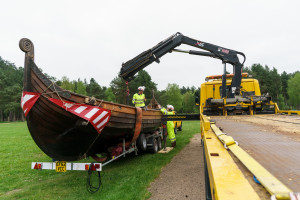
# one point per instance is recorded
(212, 90)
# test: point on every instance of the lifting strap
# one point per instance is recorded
(138, 124)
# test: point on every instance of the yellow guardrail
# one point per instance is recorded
(289, 112)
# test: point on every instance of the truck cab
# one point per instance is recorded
(212, 89)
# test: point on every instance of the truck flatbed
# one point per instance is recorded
(272, 140)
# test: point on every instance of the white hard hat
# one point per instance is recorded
(170, 107)
(141, 88)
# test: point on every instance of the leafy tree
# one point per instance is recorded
(197, 97)
(262, 75)
(80, 87)
(161, 97)
(188, 102)
(275, 87)
(294, 91)
(94, 89)
(284, 79)
(193, 88)
(280, 102)
(109, 95)
(11, 81)
(67, 84)
(118, 88)
(174, 96)
(11, 107)
(58, 82)
(183, 90)
(267, 78)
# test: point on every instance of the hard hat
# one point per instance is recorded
(141, 88)
(170, 107)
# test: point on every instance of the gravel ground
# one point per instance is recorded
(183, 177)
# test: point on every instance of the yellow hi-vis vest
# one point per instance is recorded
(138, 100)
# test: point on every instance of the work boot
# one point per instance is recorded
(173, 144)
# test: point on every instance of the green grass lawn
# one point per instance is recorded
(125, 178)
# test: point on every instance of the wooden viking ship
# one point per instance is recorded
(69, 126)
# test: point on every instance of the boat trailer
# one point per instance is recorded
(146, 141)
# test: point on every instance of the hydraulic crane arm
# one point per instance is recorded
(131, 67)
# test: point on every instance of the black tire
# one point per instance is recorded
(159, 143)
(175, 128)
(154, 146)
(141, 143)
(180, 128)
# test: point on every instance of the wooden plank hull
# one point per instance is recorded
(61, 134)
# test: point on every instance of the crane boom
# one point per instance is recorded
(131, 67)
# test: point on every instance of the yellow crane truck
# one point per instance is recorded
(249, 101)
(225, 95)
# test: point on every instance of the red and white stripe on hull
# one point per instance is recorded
(97, 116)
(28, 100)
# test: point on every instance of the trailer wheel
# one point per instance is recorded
(142, 142)
(159, 145)
(154, 146)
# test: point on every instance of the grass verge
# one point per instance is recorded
(126, 178)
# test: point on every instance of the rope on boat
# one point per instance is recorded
(52, 83)
(54, 92)
(100, 103)
(91, 144)
(57, 93)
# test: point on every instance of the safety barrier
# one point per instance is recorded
(289, 112)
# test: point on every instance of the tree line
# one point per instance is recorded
(11, 84)
(282, 87)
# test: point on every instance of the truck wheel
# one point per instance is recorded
(142, 142)
(154, 146)
(180, 128)
(159, 145)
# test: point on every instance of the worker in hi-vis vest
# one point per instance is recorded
(170, 124)
(139, 98)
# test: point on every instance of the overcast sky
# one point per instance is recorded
(85, 39)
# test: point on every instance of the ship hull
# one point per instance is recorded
(63, 135)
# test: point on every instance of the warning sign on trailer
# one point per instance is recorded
(61, 166)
